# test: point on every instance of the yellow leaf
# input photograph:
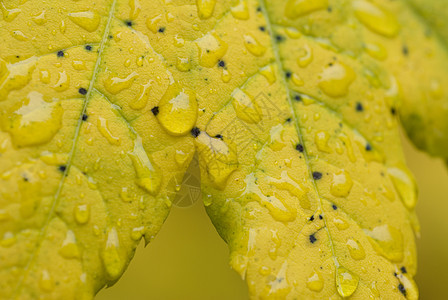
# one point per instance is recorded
(290, 106)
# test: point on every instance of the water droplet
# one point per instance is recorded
(183, 64)
(240, 10)
(79, 65)
(340, 223)
(305, 56)
(69, 248)
(63, 82)
(178, 110)
(211, 49)
(253, 46)
(376, 51)
(268, 73)
(297, 80)
(315, 282)
(8, 239)
(115, 84)
(46, 282)
(44, 76)
(152, 23)
(32, 121)
(375, 294)
(82, 213)
(86, 19)
(127, 63)
(220, 157)
(297, 8)
(40, 18)
(356, 249)
(149, 177)
(277, 286)
(113, 263)
(336, 79)
(103, 128)
(245, 107)
(346, 282)
(405, 185)
(141, 100)
(277, 206)
(135, 9)
(205, 8)
(321, 139)
(62, 26)
(137, 233)
(19, 35)
(387, 241)
(9, 14)
(376, 18)
(226, 76)
(286, 183)
(15, 76)
(341, 185)
(436, 89)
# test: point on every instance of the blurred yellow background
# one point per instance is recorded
(188, 260)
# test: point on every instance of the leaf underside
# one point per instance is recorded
(290, 106)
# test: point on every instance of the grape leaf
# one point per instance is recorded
(290, 105)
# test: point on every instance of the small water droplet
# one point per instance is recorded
(103, 128)
(315, 282)
(387, 241)
(153, 23)
(240, 10)
(113, 263)
(305, 56)
(205, 8)
(341, 185)
(19, 35)
(346, 282)
(141, 100)
(211, 49)
(253, 46)
(336, 79)
(376, 51)
(69, 248)
(82, 213)
(87, 20)
(405, 185)
(8, 239)
(245, 107)
(40, 18)
(9, 14)
(297, 8)
(135, 9)
(115, 84)
(321, 139)
(183, 64)
(78, 65)
(46, 282)
(268, 73)
(63, 82)
(376, 18)
(356, 249)
(340, 223)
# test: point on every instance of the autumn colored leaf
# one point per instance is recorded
(290, 105)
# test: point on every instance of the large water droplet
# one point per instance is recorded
(178, 110)
(387, 241)
(87, 20)
(148, 174)
(211, 49)
(376, 18)
(341, 185)
(297, 8)
(32, 121)
(336, 79)
(346, 282)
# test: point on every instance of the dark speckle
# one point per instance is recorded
(312, 238)
(288, 120)
(288, 74)
(403, 270)
(317, 175)
(329, 9)
(279, 38)
(262, 28)
(62, 168)
(259, 8)
(161, 29)
(88, 47)
(402, 289)
(405, 50)
(60, 53)
(298, 98)
(299, 147)
(334, 207)
(85, 117)
(368, 147)
(155, 110)
(129, 23)
(219, 136)
(195, 132)
(222, 63)
(311, 218)
(82, 91)
(393, 111)
(359, 107)
(320, 217)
